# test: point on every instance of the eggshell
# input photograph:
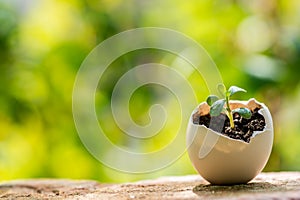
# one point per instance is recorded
(225, 161)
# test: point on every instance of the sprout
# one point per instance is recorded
(217, 106)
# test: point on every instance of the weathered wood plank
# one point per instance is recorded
(282, 185)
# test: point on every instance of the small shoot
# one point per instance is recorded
(217, 106)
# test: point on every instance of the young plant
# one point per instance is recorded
(217, 106)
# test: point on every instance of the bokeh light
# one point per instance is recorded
(255, 44)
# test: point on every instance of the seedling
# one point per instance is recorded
(217, 106)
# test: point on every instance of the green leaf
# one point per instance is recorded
(217, 107)
(234, 89)
(221, 89)
(211, 99)
(244, 112)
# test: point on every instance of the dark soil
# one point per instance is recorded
(243, 128)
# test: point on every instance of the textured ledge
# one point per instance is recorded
(282, 185)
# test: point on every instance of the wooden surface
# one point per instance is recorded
(283, 185)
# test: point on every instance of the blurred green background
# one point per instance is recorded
(255, 44)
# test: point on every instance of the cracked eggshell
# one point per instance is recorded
(225, 161)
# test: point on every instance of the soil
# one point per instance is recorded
(243, 128)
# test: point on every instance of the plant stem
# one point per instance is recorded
(229, 113)
(231, 120)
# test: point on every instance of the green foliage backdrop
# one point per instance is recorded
(255, 44)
